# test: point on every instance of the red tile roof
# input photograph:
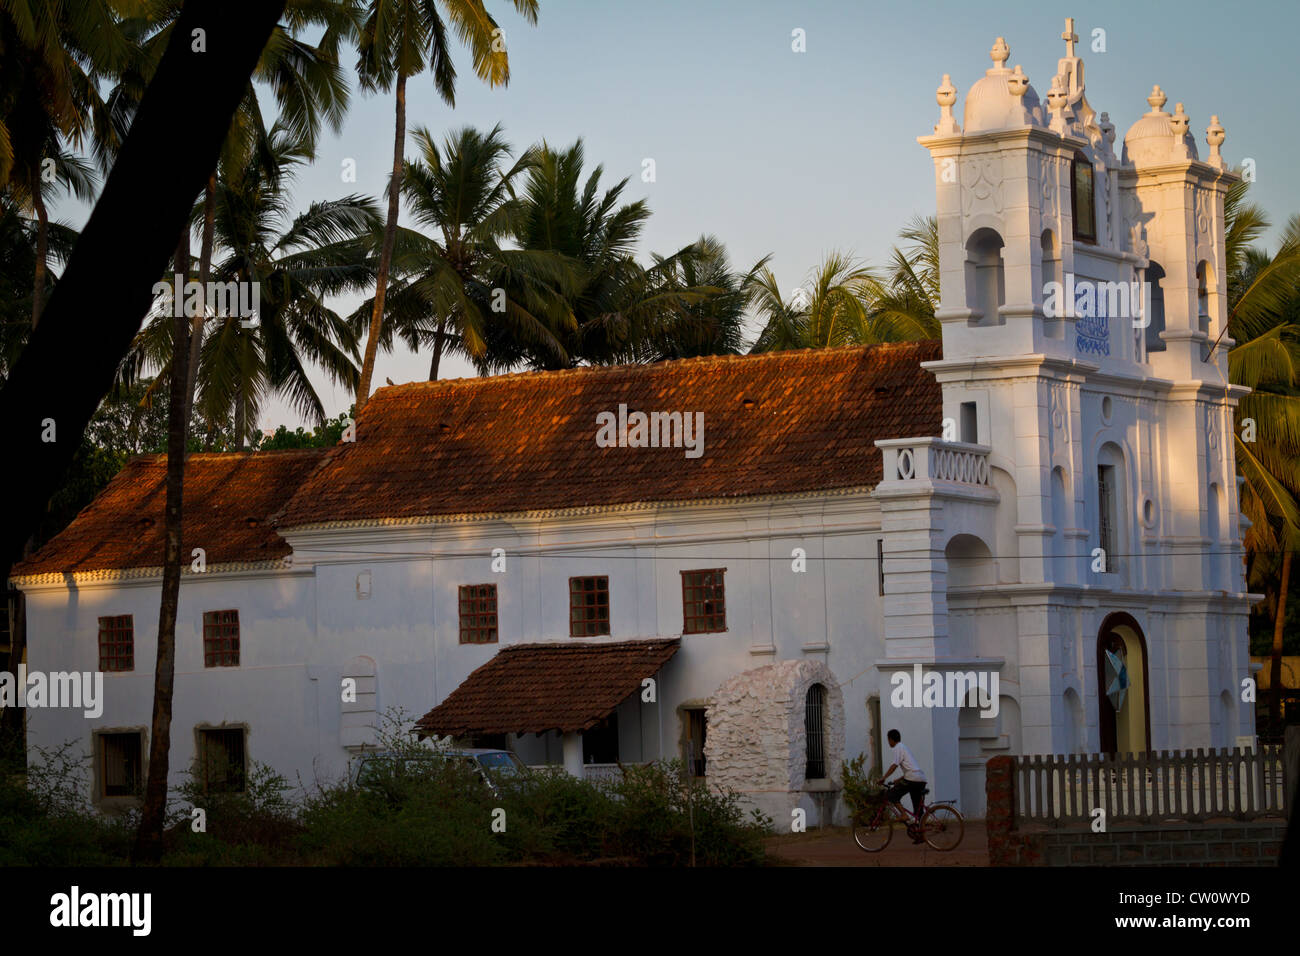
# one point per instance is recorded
(785, 422)
(776, 423)
(535, 688)
(229, 498)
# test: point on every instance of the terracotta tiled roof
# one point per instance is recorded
(777, 423)
(534, 688)
(229, 498)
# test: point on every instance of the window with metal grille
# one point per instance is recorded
(220, 638)
(814, 725)
(1106, 513)
(116, 643)
(478, 614)
(588, 606)
(221, 760)
(1083, 199)
(704, 603)
(120, 763)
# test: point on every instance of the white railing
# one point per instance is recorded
(933, 459)
(1148, 787)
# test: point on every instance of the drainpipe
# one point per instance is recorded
(573, 754)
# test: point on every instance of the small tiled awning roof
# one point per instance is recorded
(535, 688)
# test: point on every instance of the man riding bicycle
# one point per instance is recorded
(911, 783)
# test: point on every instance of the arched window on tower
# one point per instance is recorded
(1050, 269)
(985, 277)
(1156, 306)
(1083, 199)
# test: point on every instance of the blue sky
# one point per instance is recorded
(796, 154)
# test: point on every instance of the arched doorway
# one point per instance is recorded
(1123, 703)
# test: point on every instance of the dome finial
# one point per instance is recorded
(1000, 53)
(1157, 100)
(1070, 37)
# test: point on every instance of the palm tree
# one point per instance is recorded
(398, 39)
(52, 57)
(19, 239)
(618, 306)
(462, 288)
(907, 302)
(703, 303)
(832, 308)
(1264, 312)
(296, 265)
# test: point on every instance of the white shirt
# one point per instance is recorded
(906, 763)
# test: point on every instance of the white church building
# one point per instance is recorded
(1023, 539)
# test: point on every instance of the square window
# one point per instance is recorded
(117, 643)
(588, 606)
(220, 638)
(478, 614)
(221, 760)
(120, 764)
(704, 604)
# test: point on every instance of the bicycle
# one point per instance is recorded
(940, 824)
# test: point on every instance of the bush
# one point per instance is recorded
(45, 819)
(863, 792)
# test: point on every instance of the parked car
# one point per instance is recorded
(491, 766)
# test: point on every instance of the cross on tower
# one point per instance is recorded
(1069, 36)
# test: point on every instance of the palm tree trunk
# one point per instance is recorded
(1275, 668)
(42, 253)
(386, 253)
(148, 844)
(240, 424)
(205, 273)
(437, 351)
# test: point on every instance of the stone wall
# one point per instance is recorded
(1211, 843)
(756, 741)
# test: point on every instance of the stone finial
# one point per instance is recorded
(1180, 121)
(1057, 101)
(1107, 133)
(1018, 83)
(1070, 37)
(1000, 53)
(1214, 136)
(1157, 100)
(946, 96)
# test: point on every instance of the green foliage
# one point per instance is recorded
(862, 789)
(45, 820)
(326, 435)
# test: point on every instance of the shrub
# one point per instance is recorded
(863, 791)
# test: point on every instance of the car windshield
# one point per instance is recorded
(503, 763)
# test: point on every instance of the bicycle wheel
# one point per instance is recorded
(874, 837)
(943, 827)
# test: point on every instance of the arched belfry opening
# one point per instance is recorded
(1049, 274)
(1123, 698)
(1155, 308)
(986, 283)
